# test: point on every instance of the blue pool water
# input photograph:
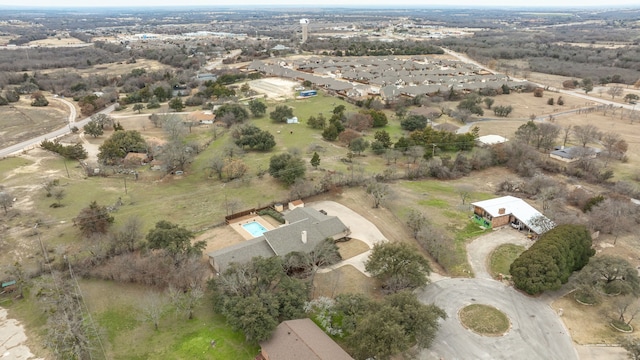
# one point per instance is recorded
(254, 228)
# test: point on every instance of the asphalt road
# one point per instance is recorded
(31, 143)
(536, 331)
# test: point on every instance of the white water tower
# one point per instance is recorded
(305, 29)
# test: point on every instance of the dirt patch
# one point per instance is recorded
(343, 280)
(13, 339)
(219, 238)
(21, 121)
(274, 88)
(352, 248)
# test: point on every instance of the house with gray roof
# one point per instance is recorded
(303, 230)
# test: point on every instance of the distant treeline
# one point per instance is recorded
(544, 52)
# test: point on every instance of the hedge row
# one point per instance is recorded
(548, 263)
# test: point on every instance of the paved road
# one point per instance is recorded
(54, 134)
(536, 331)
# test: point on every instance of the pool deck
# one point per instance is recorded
(237, 225)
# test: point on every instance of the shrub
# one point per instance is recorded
(549, 262)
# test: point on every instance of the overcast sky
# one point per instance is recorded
(322, 3)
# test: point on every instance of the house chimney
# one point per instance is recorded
(501, 211)
(304, 236)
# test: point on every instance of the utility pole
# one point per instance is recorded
(66, 168)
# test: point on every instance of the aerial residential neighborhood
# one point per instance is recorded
(274, 182)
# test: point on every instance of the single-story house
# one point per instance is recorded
(572, 154)
(300, 339)
(303, 230)
(510, 210)
(488, 140)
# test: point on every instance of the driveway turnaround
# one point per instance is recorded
(536, 332)
(361, 229)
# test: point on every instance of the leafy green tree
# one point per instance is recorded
(256, 296)
(238, 111)
(39, 99)
(286, 168)
(379, 118)
(358, 145)
(138, 107)
(176, 104)
(330, 133)
(488, 102)
(384, 138)
(612, 274)
(93, 219)
(398, 266)
(414, 122)
(587, 85)
(315, 160)
(471, 103)
(503, 110)
(506, 89)
(254, 138)
(118, 145)
(257, 108)
(93, 128)
(549, 262)
(317, 122)
(281, 114)
(174, 239)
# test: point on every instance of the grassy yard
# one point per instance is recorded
(116, 309)
(484, 320)
(501, 258)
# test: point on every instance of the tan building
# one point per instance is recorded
(300, 339)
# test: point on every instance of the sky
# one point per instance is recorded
(323, 3)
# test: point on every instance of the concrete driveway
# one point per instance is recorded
(536, 331)
(361, 229)
(478, 250)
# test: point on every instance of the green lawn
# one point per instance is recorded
(501, 258)
(484, 320)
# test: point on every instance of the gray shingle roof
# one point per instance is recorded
(284, 239)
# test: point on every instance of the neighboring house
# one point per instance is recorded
(300, 339)
(489, 140)
(507, 210)
(446, 127)
(305, 228)
(576, 153)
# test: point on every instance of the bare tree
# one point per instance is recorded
(378, 191)
(585, 134)
(215, 166)
(546, 135)
(566, 134)
(186, 301)
(129, 236)
(626, 308)
(615, 91)
(152, 308)
(174, 127)
(6, 200)
(415, 152)
(464, 191)
(613, 216)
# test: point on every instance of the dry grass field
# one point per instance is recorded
(21, 121)
(56, 41)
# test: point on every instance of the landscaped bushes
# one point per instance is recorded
(548, 263)
(274, 214)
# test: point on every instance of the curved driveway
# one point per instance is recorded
(361, 229)
(54, 134)
(536, 331)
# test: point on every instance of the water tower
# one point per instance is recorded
(305, 29)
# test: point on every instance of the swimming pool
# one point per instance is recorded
(254, 228)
